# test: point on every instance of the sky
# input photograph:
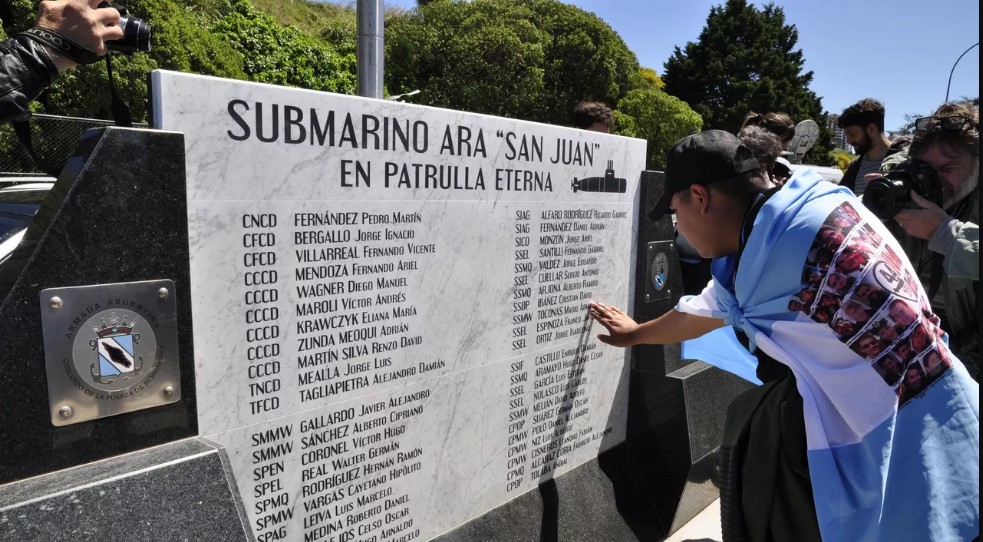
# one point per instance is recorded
(899, 52)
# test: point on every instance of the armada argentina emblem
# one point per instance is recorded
(660, 271)
(114, 354)
(116, 358)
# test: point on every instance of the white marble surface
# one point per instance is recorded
(705, 527)
(498, 414)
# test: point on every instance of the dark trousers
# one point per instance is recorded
(765, 487)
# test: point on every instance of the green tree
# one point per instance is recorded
(624, 124)
(650, 79)
(16, 15)
(841, 159)
(272, 53)
(223, 38)
(332, 21)
(660, 119)
(484, 57)
(585, 60)
(180, 42)
(746, 60)
(528, 59)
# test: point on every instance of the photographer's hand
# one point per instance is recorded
(923, 222)
(83, 22)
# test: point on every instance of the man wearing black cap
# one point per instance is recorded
(715, 186)
(712, 185)
(826, 445)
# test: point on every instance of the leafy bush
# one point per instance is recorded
(661, 119)
(280, 55)
(528, 59)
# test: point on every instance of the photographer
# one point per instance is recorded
(943, 241)
(65, 31)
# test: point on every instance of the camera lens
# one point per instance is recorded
(136, 36)
(884, 197)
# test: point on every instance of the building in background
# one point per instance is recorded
(839, 138)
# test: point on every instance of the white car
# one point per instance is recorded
(831, 174)
(20, 199)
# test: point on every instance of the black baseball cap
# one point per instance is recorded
(703, 158)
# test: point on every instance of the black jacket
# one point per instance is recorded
(25, 70)
(850, 177)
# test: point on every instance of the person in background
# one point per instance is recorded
(863, 125)
(783, 127)
(779, 124)
(767, 148)
(29, 62)
(593, 116)
(944, 242)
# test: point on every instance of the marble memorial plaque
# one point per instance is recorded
(390, 300)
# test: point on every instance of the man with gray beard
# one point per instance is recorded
(944, 243)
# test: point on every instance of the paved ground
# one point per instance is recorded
(705, 527)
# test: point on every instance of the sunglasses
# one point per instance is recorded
(951, 124)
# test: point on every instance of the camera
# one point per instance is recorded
(136, 32)
(887, 195)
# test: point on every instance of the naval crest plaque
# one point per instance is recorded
(110, 349)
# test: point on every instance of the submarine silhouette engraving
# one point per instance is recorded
(608, 183)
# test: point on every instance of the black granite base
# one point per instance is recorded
(675, 424)
(583, 504)
(116, 214)
(179, 491)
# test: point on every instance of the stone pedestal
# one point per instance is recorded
(176, 491)
(116, 214)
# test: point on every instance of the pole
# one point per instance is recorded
(954, 69)
(371, 49)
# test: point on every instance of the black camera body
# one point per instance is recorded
(136, 32)
(887, 195)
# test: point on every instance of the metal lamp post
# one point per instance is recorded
(371, 48)
(954, 69)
